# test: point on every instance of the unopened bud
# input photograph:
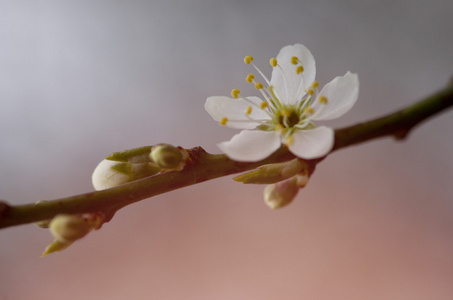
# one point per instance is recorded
(168, 157)
(110, 173)
(54, 247)
(273, 173)
(281, 194)
(66, 229)
(69, 228)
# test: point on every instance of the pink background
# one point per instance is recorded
(82, 79)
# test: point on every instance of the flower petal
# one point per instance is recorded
(234, 110)
(251, 145)
(286, 82)
(341, 93)
(313, 143)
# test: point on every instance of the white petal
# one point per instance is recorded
(234, 110)
(341, 93)
(292, 91)
(251, 145)
(313, 143)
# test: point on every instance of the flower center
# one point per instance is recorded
(288, 117)
(282, 117)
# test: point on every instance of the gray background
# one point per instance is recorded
(82, 79)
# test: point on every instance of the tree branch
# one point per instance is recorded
(202, 166)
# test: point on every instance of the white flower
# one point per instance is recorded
(291, 103)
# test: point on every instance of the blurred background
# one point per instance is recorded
(82, 79)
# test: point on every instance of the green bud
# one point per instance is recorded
(135, 155)
(55, 246)
(167, 157)
(273, 173)
(110, 173)
(69, 228)
(66, 229)
(281, 194)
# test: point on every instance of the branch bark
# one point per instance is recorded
(202, 166)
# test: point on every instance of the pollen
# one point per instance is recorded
(250, 77)
(310, 92)
(247, 59)
(294, 60)
(235, 93)
(308, 111)
(263, 105)
(322, 100)
(223, 121)
(314, 84)
(258, 86)
(299, 69)
(248, 110)
(273, 62)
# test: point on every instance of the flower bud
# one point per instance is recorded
(110, 173)
(281, 194)
(66, 229)
(54, 247)
(168, 157)
(273, 173)
(69, 228)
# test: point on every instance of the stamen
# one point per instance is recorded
(261, 73)
(258, 86)
(248, 110)
(248, 59)
(322, 100)
(273, 62)
(250, 77)
(273, 99)
(263, 105)
(314, 85)
(294, 60)
(285, 113)
(235, 93)
(310, 92)
(223, 121)
(279, 127)
(299, 69)
(285, 82)
(308, 111)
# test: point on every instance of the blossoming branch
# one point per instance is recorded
(280, 146)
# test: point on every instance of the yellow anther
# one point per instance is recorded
(223, 121)
(322, 100)
(235, 93)
(249, 78)
(294, 60)
(310, 92)
(258, 86)
(299, 69)
(314, 84)
(308, 111)
(248, 110)
(289, 140)
(263, 105)
(273, 62)
(248, 59)
(285, 113)
(279, 127)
